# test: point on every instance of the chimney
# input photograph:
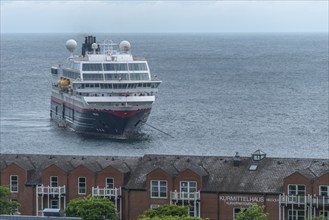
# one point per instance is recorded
(236, 160)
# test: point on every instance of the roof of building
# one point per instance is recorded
(219, 174)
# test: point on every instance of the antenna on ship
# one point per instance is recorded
(70, 46)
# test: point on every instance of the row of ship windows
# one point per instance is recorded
(119, 76)
(115, 85)
(107, 76)
(114, 66)
(108, 66)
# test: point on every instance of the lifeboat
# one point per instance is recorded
(63, 82)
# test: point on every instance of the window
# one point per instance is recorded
(296, 190)
(235, 212)
(158, 189)
(71, 74)
(54, 204)
(92, 76)
(324, 190)
(137, 66)
(139, 76)
(82, 185)
(188, 188)
(116, 76)
(296, 214)
(109, 183)
(13, 183)
(53, 181)
(92, 67)
(115, 67)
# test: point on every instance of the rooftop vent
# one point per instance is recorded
(236, 160)
(258, 155)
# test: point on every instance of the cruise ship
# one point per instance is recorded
(105, 91)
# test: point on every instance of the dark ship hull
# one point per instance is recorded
(105, 123)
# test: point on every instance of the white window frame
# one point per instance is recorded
(80, 188)
(52, 182)
(295, 214)
(107, 184)
(235, 212)
(13, 184)
(158, 188)
(296, 190)
(189, 188)
(54, 203)
(324, 193)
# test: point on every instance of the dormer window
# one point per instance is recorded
(158, 189)
(258, 155)
(297, 190)
(188, 188)
(53, 181)
(82, 186)
(13, 183)
(324, 190)
(109, 183)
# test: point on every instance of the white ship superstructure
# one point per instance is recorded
(103, 91)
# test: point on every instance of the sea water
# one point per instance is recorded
(220, 94)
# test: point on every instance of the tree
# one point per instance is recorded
(6, 205)
(92, 208)
(254, 212)
(167, 212)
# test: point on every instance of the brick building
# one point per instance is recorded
(213, 187)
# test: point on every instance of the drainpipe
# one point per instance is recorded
(128, 205)
(33, 199)
(311, 200)
(218, 204)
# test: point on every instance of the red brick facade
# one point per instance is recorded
(145, 186)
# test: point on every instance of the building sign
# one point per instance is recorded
(245, 200)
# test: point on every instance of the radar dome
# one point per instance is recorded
(94, 46)
(124, 46)
(71, 45)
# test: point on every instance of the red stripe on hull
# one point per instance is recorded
(121, 114)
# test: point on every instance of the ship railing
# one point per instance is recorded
(114, 193)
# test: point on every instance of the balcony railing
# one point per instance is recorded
(51, 190)
(184, 196)
(106, 192)
(315, 200)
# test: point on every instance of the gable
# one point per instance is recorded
(158, 173)
(13, 167)
(296, 178)
(188, 174)
(53, 169)
(81, 170)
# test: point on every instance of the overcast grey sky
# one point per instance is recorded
(163, 16)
